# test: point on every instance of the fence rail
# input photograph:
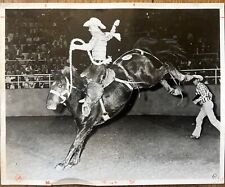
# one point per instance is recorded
(28, 81)
(212, 75)
(45, 80)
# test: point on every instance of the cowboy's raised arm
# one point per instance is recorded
(113, 33)
(115, 24)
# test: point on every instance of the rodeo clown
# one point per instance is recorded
(204, 99)
(97, 53)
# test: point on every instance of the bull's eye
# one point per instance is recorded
(60, 85)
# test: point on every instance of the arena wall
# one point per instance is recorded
(32, 102)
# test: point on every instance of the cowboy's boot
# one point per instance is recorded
(94, 93)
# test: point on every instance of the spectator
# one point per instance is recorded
(8, 82)
(12, 86)
(12, 52)
(18, 51)
(25, 83)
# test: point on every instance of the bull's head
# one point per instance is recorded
(59, 92)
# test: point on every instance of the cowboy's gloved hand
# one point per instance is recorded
(117, 22)
(195, 100)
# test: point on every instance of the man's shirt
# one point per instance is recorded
(203, 91)
(98, 45)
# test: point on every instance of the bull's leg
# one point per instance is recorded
(79, 126)
(76, 157)
(75, 149)
(176, 74)
(160, 73)
(179, 76)
(183, 77)
(169, 89)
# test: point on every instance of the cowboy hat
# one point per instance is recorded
(199, 77)
(94, 22)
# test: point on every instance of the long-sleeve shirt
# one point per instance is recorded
(203, 91)
(98, 44)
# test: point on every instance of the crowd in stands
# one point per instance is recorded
(32, 47)
(39, 47)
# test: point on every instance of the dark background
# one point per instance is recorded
(196, 30)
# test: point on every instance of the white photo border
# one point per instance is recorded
(3, 7)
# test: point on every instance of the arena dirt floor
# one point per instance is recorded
(131, 149)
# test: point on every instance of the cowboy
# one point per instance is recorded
(204, 99)
(97, 46)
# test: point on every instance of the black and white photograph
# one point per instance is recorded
(112, 94)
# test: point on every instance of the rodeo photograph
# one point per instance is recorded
(112, 94)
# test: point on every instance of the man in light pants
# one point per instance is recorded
(205, 100)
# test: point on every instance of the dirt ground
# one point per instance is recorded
(132, 150)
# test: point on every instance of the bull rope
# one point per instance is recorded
(70, 62)
(142, 52)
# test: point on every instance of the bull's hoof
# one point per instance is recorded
(63, 166)
(194, 137)
(176, 92)
(60, 167)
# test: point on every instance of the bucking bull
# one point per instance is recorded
(134, 70)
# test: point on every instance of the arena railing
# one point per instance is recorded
(215, 74)
(18, 81)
